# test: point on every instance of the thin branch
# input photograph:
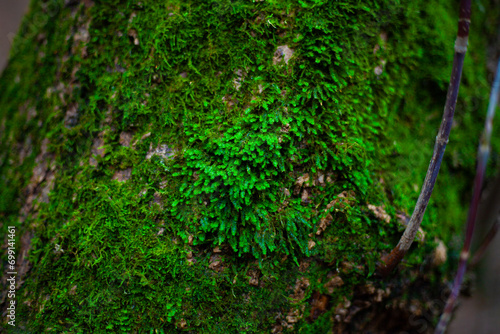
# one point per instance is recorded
(482, 159)
(485, 243)
(390, 261)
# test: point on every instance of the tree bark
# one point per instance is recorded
(231, 166)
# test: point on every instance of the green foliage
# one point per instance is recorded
(176, 128)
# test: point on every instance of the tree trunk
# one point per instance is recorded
(232, 166)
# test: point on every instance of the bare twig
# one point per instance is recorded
(482, 158)
(390, 261)
(485, 243)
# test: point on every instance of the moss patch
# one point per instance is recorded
(225, 166)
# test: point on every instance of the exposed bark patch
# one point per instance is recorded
(333, 282)
(117, 68)
(229, 101)
(47, 187)
(161, 150)
(283, 52)
(25, 149)
(240, 75)
(364, 297)
(190, 259)
(134, 36)
(125, 138)
(27, 110)
(62, 92)
(122, 175)
(157, 199)
(343, 199)
(302, 179)
(38, 189)
(216, 262)
(144, 136)
(304, 264)
(319, 305)
(181, 323)
(285, 128)
(380, 213)
(439, 255)
(43, 171)
(253, 277)
(72, 291)
(71, 117)
(292, 317)
(305, 196)
(300, 288)
(378, 70)
(324, 223)
(347, 267)
(81, 39)
(97, 149)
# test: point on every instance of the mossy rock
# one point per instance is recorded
(230, 166)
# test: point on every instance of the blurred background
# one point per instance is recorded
(11, 13)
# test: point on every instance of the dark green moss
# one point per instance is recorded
(177, 132)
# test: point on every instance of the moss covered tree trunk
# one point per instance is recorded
(231, 166)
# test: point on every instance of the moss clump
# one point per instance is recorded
(219, 166)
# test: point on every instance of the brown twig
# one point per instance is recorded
(482, 158)
(390, 261)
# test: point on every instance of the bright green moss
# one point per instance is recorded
(177, 127)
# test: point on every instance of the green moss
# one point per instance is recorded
(178, 127)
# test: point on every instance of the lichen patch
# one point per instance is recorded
(161, 150)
